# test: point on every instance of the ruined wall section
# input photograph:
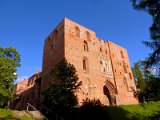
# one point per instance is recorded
(30, 94)
(20, 86)
(27, 91)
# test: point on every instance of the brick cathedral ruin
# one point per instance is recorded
(102, 66)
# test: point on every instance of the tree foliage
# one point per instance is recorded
(60, 96)
(139, 77)
(139, 80)
(153, 88)
(92, 110)
(153, 8)
(147, 81)
(9, 61)
(65, 74)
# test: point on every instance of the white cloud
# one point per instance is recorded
(19, 79)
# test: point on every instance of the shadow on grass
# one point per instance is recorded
(94, 110)
(155, 116)
(118, 113)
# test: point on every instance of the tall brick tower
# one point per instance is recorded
(102, 66)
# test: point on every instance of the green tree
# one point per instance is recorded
(153, 84)
(139, 77)
(9, 61)
(92, 110)
(140, 81)
(60, 97)
(153, 8)
(153, 91)
(147, 82)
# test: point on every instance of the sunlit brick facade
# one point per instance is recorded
(102, 66)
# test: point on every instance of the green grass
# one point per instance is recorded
(13, 115)
(5, 114)
(145, 111)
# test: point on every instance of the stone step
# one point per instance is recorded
(36, 115)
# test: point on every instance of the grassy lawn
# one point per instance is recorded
(146, 111)
(13, 115)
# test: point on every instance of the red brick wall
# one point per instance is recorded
(53, 53)
(104, 62)
(106, 75)
(21, 85)
(125, 95)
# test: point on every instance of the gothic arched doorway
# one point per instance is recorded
(106, 92)
(110, 91)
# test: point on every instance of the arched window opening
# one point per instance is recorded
(106, 51)
(77, 32)
(130, 76)
(86, 46)
(88, 36)
(85, 64)
(104, 70)
(124, 67)
(122, 56)
(101, 62)
(100, 49)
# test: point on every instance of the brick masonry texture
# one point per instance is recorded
(102, 66)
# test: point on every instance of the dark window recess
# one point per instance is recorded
(106, 51)
(77, 32)
(86, 46)
(88, 36)
(84, 64)
(100, 62)
(124, 67)
(122, 56)
(130, 75)
(100, 49)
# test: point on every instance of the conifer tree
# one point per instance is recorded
(60, 97)
(152, 7)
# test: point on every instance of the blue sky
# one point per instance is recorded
(24, 24)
